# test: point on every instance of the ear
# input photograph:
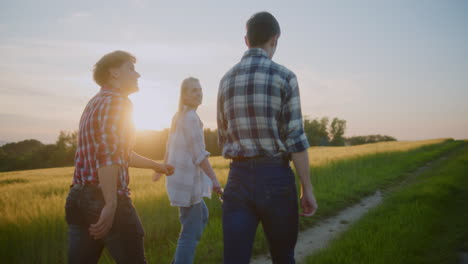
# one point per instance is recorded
(114, 73)
(246, 41)
(274, 40)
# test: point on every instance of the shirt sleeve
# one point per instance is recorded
(292, 130)
(113, 118)
(222, 126)
(193, 133)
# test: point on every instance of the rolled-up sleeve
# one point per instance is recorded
(293, 133)
(112, 141)
(193, 133)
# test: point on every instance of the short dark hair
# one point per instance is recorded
(261, 27)
(111, 60)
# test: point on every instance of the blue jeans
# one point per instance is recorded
(125, 239)
(260, 192)
(193, 220)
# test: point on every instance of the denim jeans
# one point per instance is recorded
(193, 220)
(125, 239)
(260, 192)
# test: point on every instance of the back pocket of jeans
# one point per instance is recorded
(280, 192)
(73, 213)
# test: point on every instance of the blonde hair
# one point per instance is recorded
(184, 88)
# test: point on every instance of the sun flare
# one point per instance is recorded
(151, 113)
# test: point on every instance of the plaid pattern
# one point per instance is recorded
(105, 137)
(186, 150)
(259, 111)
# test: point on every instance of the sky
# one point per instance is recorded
(397, 68)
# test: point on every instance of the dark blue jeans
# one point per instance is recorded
(262, 192)
(125, 239)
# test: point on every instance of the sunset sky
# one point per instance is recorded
(398, 68)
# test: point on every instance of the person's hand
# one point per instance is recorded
(216, 187)
(104, 223)
(308, 204)
(164, 169)
(157, 176)
(170, 169)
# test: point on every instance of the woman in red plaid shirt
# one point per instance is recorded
(99, 211)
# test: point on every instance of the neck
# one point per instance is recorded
(269, 50)
(114, 86)
(190, 107)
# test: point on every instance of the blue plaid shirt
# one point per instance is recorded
(259, 110)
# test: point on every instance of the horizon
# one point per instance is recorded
(395, 68)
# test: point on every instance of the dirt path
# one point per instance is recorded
(318, 237)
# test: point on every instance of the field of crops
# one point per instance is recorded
(33, 230)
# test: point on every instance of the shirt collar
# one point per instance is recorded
(255, 52)
(116, 91)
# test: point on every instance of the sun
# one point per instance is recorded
(152, 113)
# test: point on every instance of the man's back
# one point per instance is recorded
(105, 137)
(259, 109)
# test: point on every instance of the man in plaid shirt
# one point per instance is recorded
(99, 211)
(260, 128)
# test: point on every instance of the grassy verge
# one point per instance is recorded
(425, 222)
(344, 182)
(32, 227)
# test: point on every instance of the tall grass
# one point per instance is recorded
(423, 223)
(33, 230)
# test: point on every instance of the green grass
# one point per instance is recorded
(33, 230)
(425, 222)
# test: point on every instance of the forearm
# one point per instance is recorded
(206, 167)
(138, 161)
(108, 182)
(301, 163)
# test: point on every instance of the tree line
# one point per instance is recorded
(32, 154)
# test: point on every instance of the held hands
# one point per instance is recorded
(308, 203)
(216, 186)
(161, 169)
(164, 169)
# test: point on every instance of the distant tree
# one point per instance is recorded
(316, 131)
(2, 154)
(65, 148)
(359, 140)
(16, 155)
(211, 142)
(32, 154)
(337, 130)
(68, 139)
(21, 147)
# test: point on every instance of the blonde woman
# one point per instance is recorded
(194, 177)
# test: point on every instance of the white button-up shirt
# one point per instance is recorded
(186, 150)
